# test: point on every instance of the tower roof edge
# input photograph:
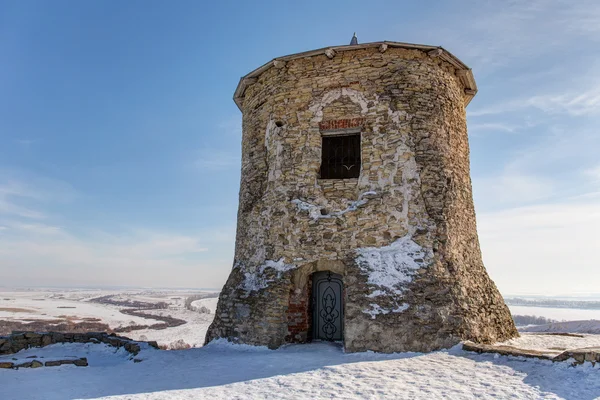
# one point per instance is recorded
(465, 75)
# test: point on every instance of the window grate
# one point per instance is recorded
(340, 157)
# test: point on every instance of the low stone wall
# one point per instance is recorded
(579, 356)
(18, 341)
(574, 356)
(79, 362)
(505, 350)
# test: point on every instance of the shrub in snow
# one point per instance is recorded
(179, 345)
(204, 310)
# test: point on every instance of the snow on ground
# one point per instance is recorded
(318, 370)
(591, 326)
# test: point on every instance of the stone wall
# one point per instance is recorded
(402, 235)
(18, 341)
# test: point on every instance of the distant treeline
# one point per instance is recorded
(135, 307)
(202, 309)
(167, 321)
(140, 305)
(553, 303)
(521, 320)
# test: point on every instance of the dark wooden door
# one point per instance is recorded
(327, 306)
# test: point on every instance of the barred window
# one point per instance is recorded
(340, 156)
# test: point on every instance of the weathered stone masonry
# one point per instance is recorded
(402, 235)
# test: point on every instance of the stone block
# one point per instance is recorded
(82, 362)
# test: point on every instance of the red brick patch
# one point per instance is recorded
(341, 124)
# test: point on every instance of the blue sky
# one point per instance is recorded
(120, 144)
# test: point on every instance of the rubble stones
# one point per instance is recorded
(55, 363)
(82, 362)
(23, 340)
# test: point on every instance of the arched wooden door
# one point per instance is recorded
(328, 309)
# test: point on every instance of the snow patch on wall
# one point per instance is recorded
(375, 310)
(401, 308)
(314, 211)
(390, 269)
(256, 279)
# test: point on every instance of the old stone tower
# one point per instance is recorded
(356, 220)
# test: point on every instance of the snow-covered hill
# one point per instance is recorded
(313, 371)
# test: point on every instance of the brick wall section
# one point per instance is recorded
(341, 124)
(299, 315)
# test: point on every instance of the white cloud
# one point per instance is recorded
(22, 194)
(500, 34)
(33, 252)
(492, 126)
(11, 195)
(34, 228)
(580, 101)
(511, 188)
(545, 248)
(593, 173)
(55, 256)
(216, 160)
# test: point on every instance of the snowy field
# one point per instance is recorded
(26, 305)
(191, 333)
(80, 305)
(319, 370)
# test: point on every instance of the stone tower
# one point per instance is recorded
(356, 220)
